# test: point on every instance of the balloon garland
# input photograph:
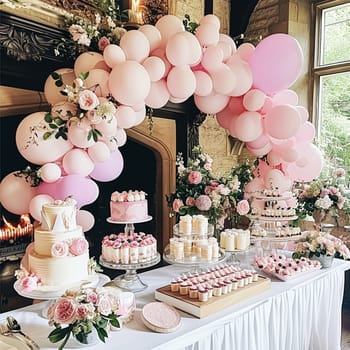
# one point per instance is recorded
(92, 105)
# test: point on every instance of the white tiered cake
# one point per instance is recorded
(59, 255)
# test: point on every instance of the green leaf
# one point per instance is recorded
(47, 135)
(102, 333)
(59, 333)
(59, 121)
(53, 126)
(98, 132)
(83, 75)
(48, 118)
(90, 134)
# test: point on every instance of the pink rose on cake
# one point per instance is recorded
(59, 249)
(79, 246)
(29, 283)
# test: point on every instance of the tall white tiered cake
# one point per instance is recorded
(59, 255)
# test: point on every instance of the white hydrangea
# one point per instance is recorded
(324, 203)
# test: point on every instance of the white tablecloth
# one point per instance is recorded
(303, 314)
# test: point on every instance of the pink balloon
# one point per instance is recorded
(254, 186)
(306, 132)
(243, 75)
(158, 95)
(50, 172)
(273, 158)
(107, 126)
(36, 203)
(276, 62)
(155, 67)
(78, 134)
(113, 55)
(304, 114)
(246, 51)
(161, 54)
(85, 219)
(120, 137)
(140, 114)
(224, 80)
(290, 155)
(169, 25)
(52, 91)
(212, 59)
(249, 126)
(259, 142)
(232, 126)
(109, 170)
(274, 178)
(207, 34)
(236, 105)
(204, 84)
(97, 81)
(16, 194)
(212, 103)
(309, 167)
(224, 38)
(125, 117)
(224, 117)
(260, 152)
(122, 83)
(177, 50)
(99, 152)
(152, 34)
(254, 100)
(89, 60)
(285, 97)
(78, 162)
(282, 122)
(31, 144)
(135, 45)
(267, 105)
(195, 50)
(212, 19)
(181, 82)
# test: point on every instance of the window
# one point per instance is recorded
(332, 83)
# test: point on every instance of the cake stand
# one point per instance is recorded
(232, 258)
(50, 296)
(129, 225)
(194, 262)
(130, 281)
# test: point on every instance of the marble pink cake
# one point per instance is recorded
(128, 206)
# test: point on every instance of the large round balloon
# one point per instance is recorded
(77, 161)
(85, 219)
(50, 172)
(212, 103)
(113, 55)
(135, 45)
(181, 82)
(99, 152)
(110, 169)
(248, 126)
(89, 60)
(153, 36)
(276, 62)
(16, 194)
(31, 144)
(169, 25)
(158, 95)
(52, 91)
(78, 134)
(97, 81)
(129, 83)
(35, 205)
(155, 67)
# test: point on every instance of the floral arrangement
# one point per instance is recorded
(199, 192)
(83, 311)
(92, 34)
(317, 243)
(324, 195)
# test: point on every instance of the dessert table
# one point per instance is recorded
(301, 314)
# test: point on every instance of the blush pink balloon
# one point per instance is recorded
(289, 155)
(122, 83)
(195, 50)
(260, 152)
(110, 169)
(213, 57)
(259, 142)
(97, 81)
(16, 194)
(267, 105)
(224, 117)
(50, 172)
(113, 55)
(155, 67)
(78, 135)
(254, 100)
(204, 84)
(99, 152)
(120, 137)
(78, 162)
(140, 114)
(273, 158)
(36, 203)
(212, 19)
(135, 45)
(224, 38)
(125, 117)
(181, 82)
(224, 80)
(52, 91)
(245, 51)
(158, 95)
(306, 132)
(178, 50)
(243, 75)
(89, 60)
(236, 105)
(152, 34)
(31, 144)
(168, 26)
(249, 126)
(285, 97)
(107, 126)
(212, 103)
(85, 219)
(161, 54)
(282, 122)
(207, 34)
(276, 62)
(304, 114)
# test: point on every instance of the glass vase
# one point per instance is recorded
(325, 260)
(87, 339)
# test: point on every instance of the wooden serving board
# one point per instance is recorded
(202, 309)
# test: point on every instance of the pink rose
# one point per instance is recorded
(104, 305)
(82, 312)
(88, 100)
(92, 297)
(103, 43)
(208, 190)
(29, 283)
(324, 192)
(203, 202)
(65, 310)
(333, 190)
(207, 166)
(243, 207)
(79, 246)
(190, 201)
(177, 204)
(59, 249)
(194, 177)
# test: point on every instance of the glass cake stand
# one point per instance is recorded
(129, 225)
(48, 296)
(232, 258)
(194, 262)
(130, 281)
